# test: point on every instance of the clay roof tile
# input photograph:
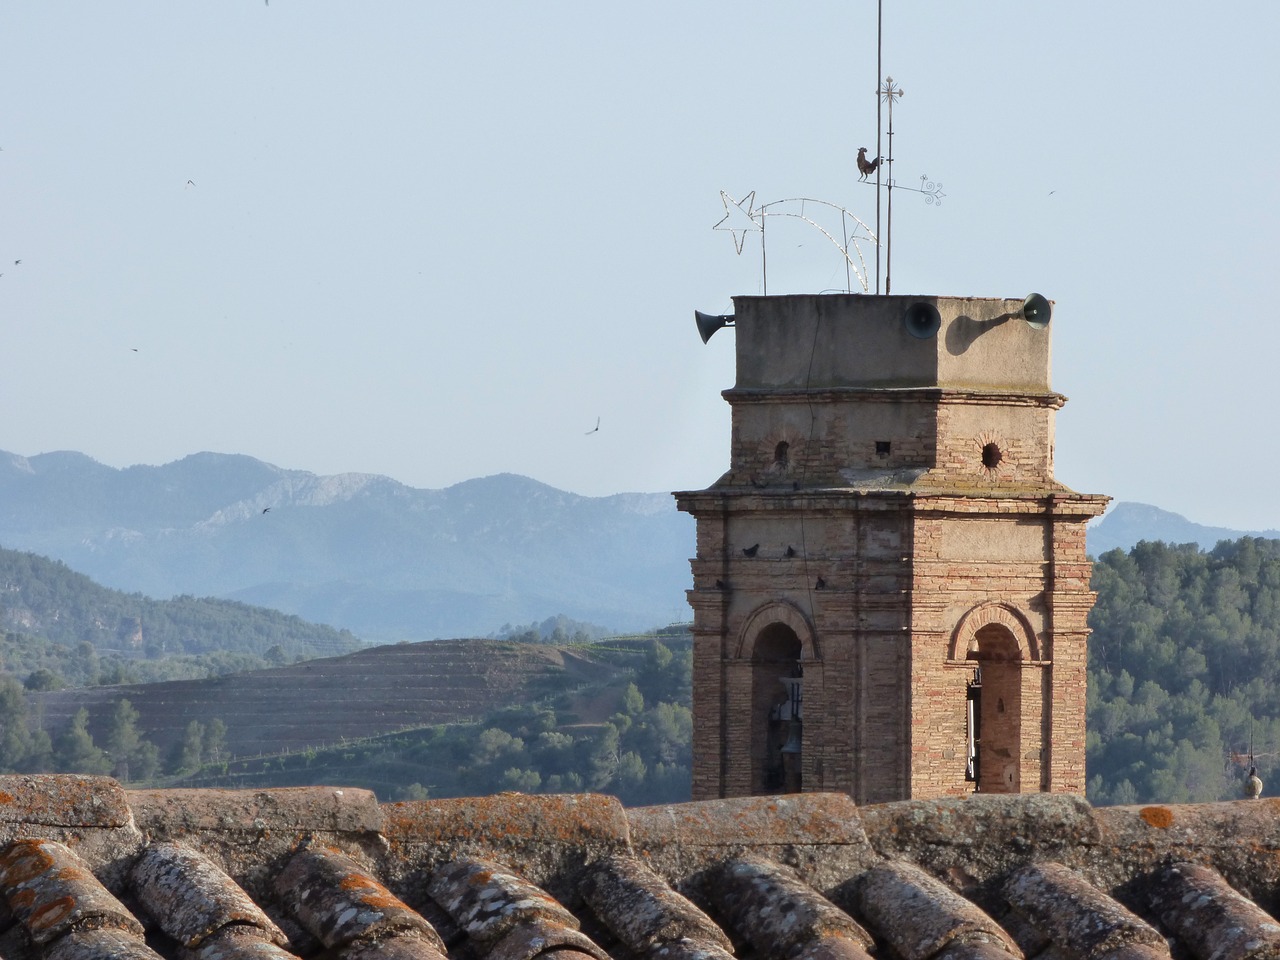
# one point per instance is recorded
(191, 899)
(51, 891)
(1067, 909)
(1209, 917)
(340, 902)
(770, 907)
(645, 913)
(920, 916)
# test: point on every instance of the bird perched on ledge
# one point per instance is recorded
(1252, 785)
(866, 167)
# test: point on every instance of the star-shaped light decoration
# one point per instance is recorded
(738, 218)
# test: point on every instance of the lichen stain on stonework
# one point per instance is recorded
(1160, 817)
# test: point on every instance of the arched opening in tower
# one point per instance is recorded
(777, 739)
(999, 720)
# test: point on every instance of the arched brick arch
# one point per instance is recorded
(778, 611)
(985, 614)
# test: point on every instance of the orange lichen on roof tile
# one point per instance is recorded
(1161, 817)
(22, 862)
(62, 800)
(509, 819)
(51, 913)
(22, 899)
(331, 896)
(64, 893)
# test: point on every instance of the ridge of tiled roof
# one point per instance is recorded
(89, 870)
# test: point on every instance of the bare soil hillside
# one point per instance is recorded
(316, 702)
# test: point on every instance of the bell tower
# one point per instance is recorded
(890, 590)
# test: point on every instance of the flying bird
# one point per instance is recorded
(597, 428)
(266, 509)
(16, 262)
(866, 167)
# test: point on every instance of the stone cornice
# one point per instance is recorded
(918, 394)
(1059, 503)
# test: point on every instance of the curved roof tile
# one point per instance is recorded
(269, 874)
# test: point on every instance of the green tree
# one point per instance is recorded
(632, 701)
(44, 679)
(414, 791)
(146, 761)
(74, 750)
(122, 740)
(215, 740)
(631, 772)
(191, 746)
(15, 738)
(523, 781)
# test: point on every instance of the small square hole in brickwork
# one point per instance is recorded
(991, 456)
(882, 448)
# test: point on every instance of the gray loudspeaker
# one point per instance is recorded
(1037, 310)
(709, 323)
(922, 320)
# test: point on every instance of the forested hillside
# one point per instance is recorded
(1184, 670)
(59, 628)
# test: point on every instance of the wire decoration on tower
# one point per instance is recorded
(742, 217)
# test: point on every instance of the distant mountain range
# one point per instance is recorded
(1128, 523)
(387, 561)
(357, 551)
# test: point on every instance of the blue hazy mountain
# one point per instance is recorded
(387, 561)
(1128, 523)
(359, 551)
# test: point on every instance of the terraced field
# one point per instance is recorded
(318, 702)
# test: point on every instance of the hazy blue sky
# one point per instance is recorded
(438, 241)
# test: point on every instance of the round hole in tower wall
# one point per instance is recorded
(991, 456)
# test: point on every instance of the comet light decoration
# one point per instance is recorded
(742, 217)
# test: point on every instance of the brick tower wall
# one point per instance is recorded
(891, 501)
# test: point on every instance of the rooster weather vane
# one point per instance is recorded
(742, 216)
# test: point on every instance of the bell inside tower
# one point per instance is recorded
(776, 683)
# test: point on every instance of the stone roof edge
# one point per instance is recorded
(970, 842)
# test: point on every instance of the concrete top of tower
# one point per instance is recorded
(820, 341)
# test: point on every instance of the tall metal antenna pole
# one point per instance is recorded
(879, 74)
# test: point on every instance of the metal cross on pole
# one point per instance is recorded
(889, 94)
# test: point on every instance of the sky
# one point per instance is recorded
(442, 241)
